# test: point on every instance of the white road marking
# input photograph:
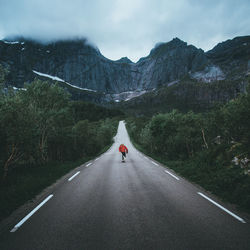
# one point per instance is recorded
(172, 175)
(221, 207)
(97, 159)
(145, 157)
(30, 214)
(72, 177)
(155, 163)
(88, 164)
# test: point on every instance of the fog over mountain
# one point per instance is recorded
(126, 28)
(77, 64)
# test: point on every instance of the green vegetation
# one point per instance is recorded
(43, 135)
(187, 94)
(24, 183)
(211, 149)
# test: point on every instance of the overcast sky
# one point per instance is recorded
(129, 28)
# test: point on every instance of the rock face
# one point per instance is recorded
(232, 56)
(167, 63)
(82, 65)
(75, 62)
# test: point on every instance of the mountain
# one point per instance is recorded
(87, 74)
(186, 95)
(76, 62)
(124, 60)
(232, 56)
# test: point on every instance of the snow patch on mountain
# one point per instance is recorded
(173, 83)
(11, 42)
(125, 96)
(210, 74)
(130, 94)
(55, 78)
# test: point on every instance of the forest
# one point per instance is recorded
(210, 148)
(44, 134)
(41, 124)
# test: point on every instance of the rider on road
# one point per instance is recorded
(123, 149)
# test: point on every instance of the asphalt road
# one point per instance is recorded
(132, 205)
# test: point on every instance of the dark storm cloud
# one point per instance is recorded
(127, 27)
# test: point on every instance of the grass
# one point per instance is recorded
(25, 182)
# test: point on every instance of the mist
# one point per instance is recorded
(121, 28)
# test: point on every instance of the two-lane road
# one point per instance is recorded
(107, 204)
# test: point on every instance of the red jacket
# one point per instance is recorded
(123, 148)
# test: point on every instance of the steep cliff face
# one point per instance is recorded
(232, 56)
(82, 65)
(78, 63)
(167, 63)
(75, 62)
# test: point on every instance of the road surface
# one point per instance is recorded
(107, 204)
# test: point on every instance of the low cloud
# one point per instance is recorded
(126, 27)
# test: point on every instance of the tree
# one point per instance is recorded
(49, 105)
(3, 73)
(16, 129)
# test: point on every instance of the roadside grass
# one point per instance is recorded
(25, 182)
(228, 183)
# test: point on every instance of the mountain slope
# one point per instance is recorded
(82, 65)
(233, 56)
(185, 95)
(77, 63)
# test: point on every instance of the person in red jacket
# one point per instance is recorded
(123, 149)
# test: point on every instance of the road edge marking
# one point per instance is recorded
(221, 207)
(155, 163)
(88, 164)
(72, 177)
(20, 223)
(171, 175)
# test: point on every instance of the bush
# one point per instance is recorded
(202, 146)
(41, 124)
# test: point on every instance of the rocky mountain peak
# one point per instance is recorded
(79, 63)
(162, 48)
(124, 60)
(232, 56)
(231, 44)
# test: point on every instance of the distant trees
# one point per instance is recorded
(15, 131)
(41, 124)
(211, 149)
(81, 110)
(184, 96)
(177, 135)
(173, 135)
(3, 73)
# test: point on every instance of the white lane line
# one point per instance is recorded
(172, 175)
(88, 164)
(97, 159)
(155, 163)
(145, 157)
(19, 224)
(221, 207)
(72, 177)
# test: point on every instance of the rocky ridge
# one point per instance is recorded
(78, 63)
